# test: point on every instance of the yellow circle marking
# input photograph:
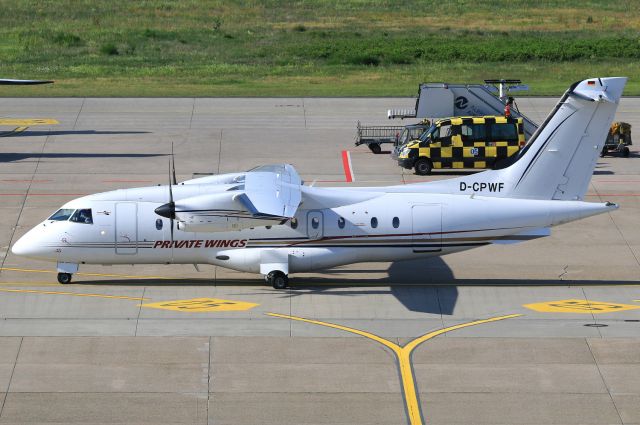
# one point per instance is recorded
(403, 355)
(28, 122)
(579, 306)
(202, 305)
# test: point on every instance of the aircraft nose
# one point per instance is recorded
(28, 245)
(21, 247)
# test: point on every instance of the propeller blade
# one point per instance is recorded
(173, 166)
(171, 204)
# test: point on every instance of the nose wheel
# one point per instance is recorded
(64, 278)
(278, 279)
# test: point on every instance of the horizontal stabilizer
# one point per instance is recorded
(527, 235)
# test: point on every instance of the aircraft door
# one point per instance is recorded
(126, 231)
(426, 221)
(315, 225)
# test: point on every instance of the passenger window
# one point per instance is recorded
(466, 130)
(479, 132)
(374, 222)
(396, 222)
(445, 135)
(61, 215)
(315, 222)
(159, 224)
(506, 132)
(294, 223)
(82, 216)
(445, 131)
(341, 222)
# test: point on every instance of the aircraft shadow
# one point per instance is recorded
(12, 157)
(425, 285)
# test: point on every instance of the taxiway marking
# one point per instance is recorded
(12, 269)
(75, 294)
(28, 122)
(579, 306)
(202, 305)
(348, 169)
(403, 355)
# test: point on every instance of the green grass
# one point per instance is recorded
(311, 48)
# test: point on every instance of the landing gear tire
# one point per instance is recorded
(422, 167)
(375, 148)
(278, 280)
(64, 278)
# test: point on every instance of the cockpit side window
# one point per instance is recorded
(61, 215)
(82, 216)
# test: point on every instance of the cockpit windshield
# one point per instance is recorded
(61, 215)
(82, 216)
(77, 216)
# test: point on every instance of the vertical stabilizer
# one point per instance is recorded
(560, 158)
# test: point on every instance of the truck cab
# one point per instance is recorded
(463, 142)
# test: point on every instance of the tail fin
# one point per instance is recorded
(560, 158)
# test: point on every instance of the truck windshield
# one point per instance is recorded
(61, 215)
(427, 134)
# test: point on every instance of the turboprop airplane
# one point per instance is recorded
(267, 221)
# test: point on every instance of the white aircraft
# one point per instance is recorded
(266, 221)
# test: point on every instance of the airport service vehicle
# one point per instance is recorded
(266, 221)
(618, 139)
(463, 142)
(376, 135)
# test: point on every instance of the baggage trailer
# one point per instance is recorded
(375, 135)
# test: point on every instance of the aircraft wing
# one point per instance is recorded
(263, 196)
(273, 190)
(12, 82)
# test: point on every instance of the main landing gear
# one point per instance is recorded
(64, 278)
(278, 279)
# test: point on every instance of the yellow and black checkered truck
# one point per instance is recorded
(464, 142)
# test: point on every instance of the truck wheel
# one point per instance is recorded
(603, 152)
(375, 148)
(625, 152)
(422, 167)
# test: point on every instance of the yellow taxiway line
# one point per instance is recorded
(28, 121)
(403, 355)
(75, 294)
(12, 269)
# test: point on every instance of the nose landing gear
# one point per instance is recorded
(64, 278)
(66, 271)
(278, 279)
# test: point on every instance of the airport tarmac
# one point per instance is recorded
(543, 332)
